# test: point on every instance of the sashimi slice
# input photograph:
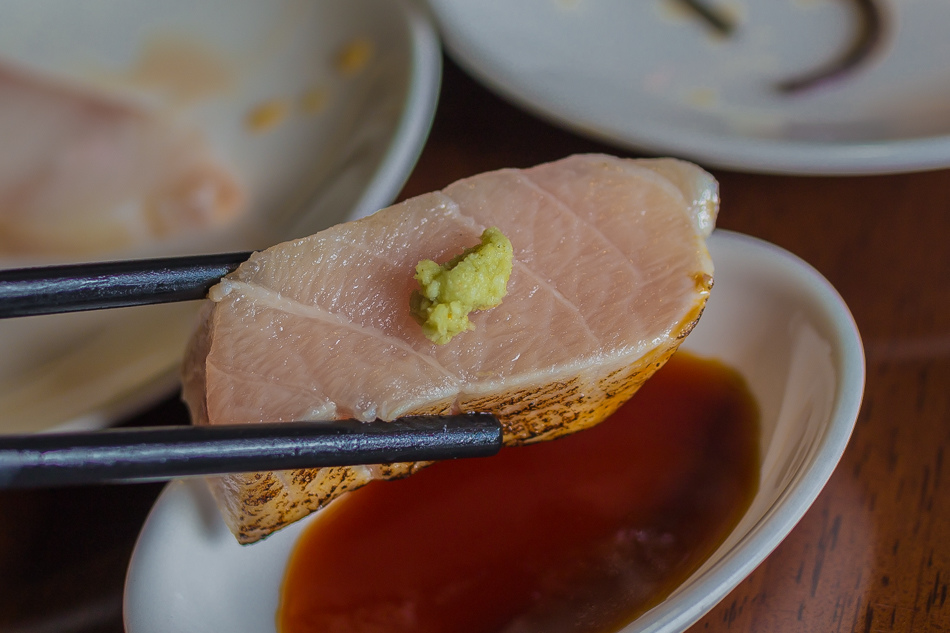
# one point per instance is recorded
(611, 272)
(81, 173)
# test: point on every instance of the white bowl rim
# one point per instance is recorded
(393, 170)
(748, 553)
(714, 585)
(422, 96)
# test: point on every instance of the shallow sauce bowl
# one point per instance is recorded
(771, 316)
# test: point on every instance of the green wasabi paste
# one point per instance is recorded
(475, 280)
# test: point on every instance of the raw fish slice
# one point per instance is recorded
(611, 271)
(81, 173)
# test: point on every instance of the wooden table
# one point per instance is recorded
(872, 554)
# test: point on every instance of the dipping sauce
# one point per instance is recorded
(580, 534)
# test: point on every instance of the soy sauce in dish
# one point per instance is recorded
(584, 533)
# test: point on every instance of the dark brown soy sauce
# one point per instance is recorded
(581, 534)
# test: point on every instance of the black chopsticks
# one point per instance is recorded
(77, 287)
(149, 454)
(124, 455)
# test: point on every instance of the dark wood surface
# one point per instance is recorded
(872, 554)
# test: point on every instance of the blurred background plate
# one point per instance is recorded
(343, 155)
(651, 77)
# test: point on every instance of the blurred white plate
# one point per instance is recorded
(345, 161)
(771, 316)
(650, 77)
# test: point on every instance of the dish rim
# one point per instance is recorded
(773, 527)
(796, 499)
(793, 158)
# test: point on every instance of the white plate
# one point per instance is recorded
(85, 370)
(646, 76)
(771, 316)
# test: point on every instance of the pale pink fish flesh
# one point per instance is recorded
(82, 173)
(611, 272)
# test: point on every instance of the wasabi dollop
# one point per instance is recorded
(475, 280)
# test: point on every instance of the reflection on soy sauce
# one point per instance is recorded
(580, 534)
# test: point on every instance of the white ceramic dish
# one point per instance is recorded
(347, 160)
(771, 316)
(649, 77)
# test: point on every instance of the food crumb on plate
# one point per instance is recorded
(314, 100)
(354, 56)
(267, 115)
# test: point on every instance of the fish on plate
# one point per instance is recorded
(610, 274)
(81, 172)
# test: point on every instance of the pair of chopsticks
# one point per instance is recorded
(137, 454)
